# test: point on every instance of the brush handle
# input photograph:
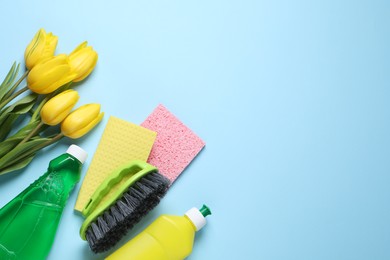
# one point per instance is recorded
(117, 183)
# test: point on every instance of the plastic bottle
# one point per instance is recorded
(167, 238)
(29, 222)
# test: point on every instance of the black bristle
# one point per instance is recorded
(109, 219)
(114, 223)
(124, 209)
(90, 237)
(102, 225)
(96, 231)
(118, 216)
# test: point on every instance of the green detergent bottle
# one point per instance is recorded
(29, 222)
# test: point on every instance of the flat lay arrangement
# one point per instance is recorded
(131, 170)
(106, 108)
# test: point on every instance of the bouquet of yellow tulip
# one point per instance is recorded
(49, 103)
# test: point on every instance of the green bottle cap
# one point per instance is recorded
(205, 211)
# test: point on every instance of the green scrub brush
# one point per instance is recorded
(138, 189)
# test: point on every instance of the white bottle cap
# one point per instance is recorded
(196, 218)
(77, 152)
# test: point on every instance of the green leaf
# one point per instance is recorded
(10, 143)
(7, 126)
(21, 103)
(25, 130)
(22, 151)
(18, 165)
(9, 115)
(8, 81)
(20, 107)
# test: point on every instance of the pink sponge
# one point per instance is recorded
(175, 146)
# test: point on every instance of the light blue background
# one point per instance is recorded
(291, 97)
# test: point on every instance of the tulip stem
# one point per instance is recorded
(16, 84)
(32, 133)
(38, 110)
(14, 95)
(49, 142)
(33, 150)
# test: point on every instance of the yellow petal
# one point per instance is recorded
(81, 121)
(58, 107)
(83, 60)
(87, 128)
(33, 43)
(50, 46)
(81, 46)
(66, 78)
(49, 75)
(41, 47)
(35, 48)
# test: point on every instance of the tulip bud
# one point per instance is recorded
(49, 75)
(82, 60)
(57, 108)
(41, 47)
(81, 121)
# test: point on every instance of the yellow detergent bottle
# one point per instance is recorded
(167, 238)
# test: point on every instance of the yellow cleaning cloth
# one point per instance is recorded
(121, 142)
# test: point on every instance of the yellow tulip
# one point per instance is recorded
(83, 60)
(50, 74)
(40, 48)
(81, 121)
(57, 108)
